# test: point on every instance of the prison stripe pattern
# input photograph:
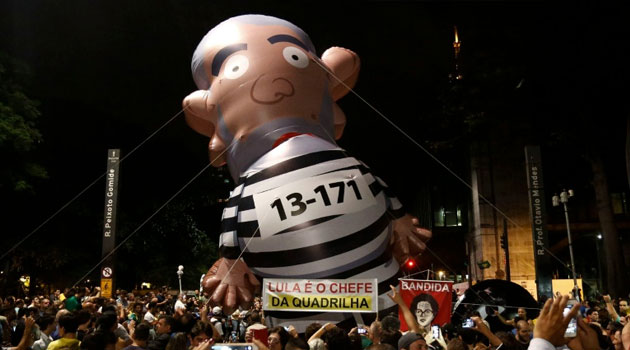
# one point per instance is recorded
(337, 247)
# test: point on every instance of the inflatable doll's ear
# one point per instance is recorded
(344, 64)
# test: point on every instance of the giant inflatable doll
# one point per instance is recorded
(302, 207)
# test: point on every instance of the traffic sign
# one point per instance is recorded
(106, 287)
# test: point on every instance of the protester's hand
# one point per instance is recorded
(29, 323)
(231, 290)
(328, 326)
(355, 330)
(586, 336)
(205, 344)
(479, 325)
(480, 346)
(121, 344)
(203, 312)
(132, 327)
(395, 296)
(408, 238)
(259, 344)
(625, 335)
(607, 299)
(27, 337)
(293, 331)
(248, 336)
(551, 323)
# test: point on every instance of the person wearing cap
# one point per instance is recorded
(412, 341)
(216, 320)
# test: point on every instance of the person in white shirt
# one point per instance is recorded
(150, 315)
(552, 323)
(46, 325)
(179, 304)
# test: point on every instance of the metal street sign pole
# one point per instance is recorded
(109, 222)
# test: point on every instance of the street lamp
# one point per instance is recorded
(599, 262)
(564, 198)
(180, 272)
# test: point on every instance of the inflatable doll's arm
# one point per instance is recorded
(408, 238)
(230, 283)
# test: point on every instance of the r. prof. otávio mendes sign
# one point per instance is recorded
(353, 295)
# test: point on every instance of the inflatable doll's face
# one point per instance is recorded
(259, 73)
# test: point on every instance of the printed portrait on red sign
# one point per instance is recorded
(429, 301)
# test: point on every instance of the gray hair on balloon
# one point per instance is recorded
(197, 65)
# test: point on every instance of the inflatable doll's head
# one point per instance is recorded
(259, 80)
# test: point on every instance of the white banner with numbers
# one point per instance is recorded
(336, 193)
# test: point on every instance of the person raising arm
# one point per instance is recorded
(410, 319)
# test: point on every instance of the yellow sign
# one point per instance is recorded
(106, 287)
(565, 286)
(352, 295)
(562, 286)
(320, 302)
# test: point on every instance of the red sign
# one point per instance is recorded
(429, 301)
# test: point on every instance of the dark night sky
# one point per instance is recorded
(109, 73)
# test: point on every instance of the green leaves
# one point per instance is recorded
(19, 135)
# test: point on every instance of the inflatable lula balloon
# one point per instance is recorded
(302, 207)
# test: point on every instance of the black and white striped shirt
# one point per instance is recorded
(339, 246)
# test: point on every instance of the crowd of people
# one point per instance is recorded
(159, 320)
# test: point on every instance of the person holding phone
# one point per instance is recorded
(551, 326)
(435, 338)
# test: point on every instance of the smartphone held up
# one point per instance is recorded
(571, 331)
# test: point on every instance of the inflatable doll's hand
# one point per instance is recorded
(230, 283)
(408, 239)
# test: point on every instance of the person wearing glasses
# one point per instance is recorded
(425, 308)
(278, 338)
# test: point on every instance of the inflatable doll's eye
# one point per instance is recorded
(235, 66)
(295, 57)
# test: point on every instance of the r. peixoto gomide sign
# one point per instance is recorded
(353, 295)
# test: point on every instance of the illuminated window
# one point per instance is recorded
(448, 216)
(619, 203)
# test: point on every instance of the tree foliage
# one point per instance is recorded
(19, 135)
(182, 233)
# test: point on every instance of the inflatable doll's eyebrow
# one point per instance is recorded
(217, 62)
(288, 39)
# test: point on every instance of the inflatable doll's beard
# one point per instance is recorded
(242, 154)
